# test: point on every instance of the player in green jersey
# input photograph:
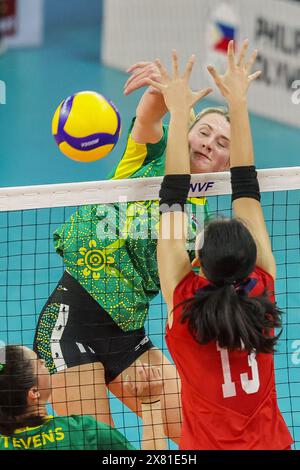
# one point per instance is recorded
(25, 387)
(208, 135)
(111, 273)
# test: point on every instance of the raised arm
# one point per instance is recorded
(148, 126)
(234, 86)
(173, 260)
(146, 141)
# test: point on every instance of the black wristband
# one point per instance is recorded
(244, 182)
(173, 192)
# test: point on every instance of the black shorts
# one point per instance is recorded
(73, 329)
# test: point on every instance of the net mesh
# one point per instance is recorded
(30, 268)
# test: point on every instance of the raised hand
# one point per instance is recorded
(140, 72)
(175, 88)
(234, 84)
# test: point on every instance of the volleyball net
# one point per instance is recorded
(30, 268)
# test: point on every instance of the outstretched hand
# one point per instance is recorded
(235, 82)
(139, 74)
(175, 88)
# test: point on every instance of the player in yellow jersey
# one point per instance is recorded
(25, 387)
(209, 133)
(92, 330)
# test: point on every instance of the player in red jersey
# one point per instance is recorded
(221, 321)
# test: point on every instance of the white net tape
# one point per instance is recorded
(137, 189)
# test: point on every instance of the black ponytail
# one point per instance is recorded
(223, 311)
(227, 315)
(16, 379)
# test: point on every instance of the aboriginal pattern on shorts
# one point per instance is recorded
(45, 328)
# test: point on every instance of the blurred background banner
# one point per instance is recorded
(8, 17)
(21, 22)
(205, 28)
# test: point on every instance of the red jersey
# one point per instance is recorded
(228, 398)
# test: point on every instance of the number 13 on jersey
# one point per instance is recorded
(248, 385)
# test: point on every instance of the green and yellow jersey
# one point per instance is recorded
(110, 249)
(141, 160)
(66, 433)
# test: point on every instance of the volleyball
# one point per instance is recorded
(86, 126)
